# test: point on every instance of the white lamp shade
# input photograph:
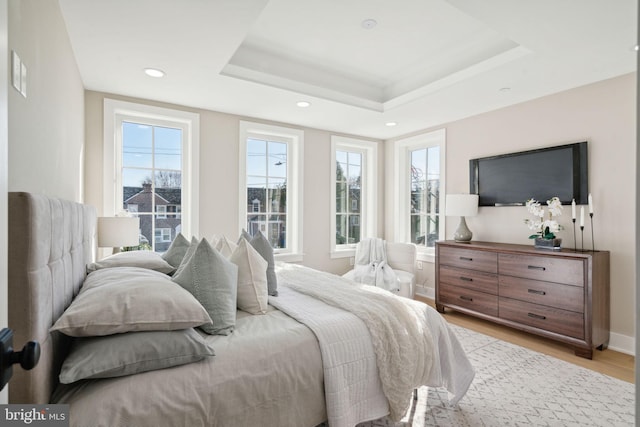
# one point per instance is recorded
(118, 231)
(461, 205)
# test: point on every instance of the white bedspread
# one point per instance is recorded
(412, 343)
(352, 388)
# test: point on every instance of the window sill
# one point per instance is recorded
(289, 257)
(426, 255)
(342, 253)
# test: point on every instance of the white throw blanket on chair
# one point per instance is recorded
(371, 266)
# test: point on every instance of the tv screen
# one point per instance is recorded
(512, 179)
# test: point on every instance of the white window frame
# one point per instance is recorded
(402, 183)
(117, 111)
(294, 138)
(368, 191)
(161, 211)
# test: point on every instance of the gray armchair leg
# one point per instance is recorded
(415, 394)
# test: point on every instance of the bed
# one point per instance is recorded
(324, 350)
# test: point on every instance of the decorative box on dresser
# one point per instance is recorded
(559, 294)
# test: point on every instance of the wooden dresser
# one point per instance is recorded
(563, 295)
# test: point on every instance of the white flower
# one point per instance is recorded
(555, 206)
(544, 228)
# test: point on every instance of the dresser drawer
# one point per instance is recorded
(547, 268)
(462, 297)
(469, 279)
(556, 295)
(469, 258)
(550, 319)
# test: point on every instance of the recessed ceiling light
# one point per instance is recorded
(154, 72)
(368, 24)
(303, 104)
(391, 124)
(635, 48)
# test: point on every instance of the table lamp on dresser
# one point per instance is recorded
(462, 205)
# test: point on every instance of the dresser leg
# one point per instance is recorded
(603, 346)
(587, 353)
(440, 308)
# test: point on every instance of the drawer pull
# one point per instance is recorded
(464, 298)
(464, 258)
(466, 279)
(536, 316)
(537, 292)
(535, 267)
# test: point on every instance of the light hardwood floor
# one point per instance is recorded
(608, 362)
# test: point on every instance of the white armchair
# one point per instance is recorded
(401, 257)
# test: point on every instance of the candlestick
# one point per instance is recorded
(581, 216)
(575, 241)
(582, 235)
(590, 204)
(573, 210)
(593, 244)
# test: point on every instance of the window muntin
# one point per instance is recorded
(425, 196)
(354, 180)
(277, 176)
(266, 192)
(151, 174)
(419, 183)
(348, 184)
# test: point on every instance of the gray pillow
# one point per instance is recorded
(142, 259)
(262, 245)
(193, 245)
(244, 235)
(213, 280)
(116, 300)
(131, 353)
(176, 251)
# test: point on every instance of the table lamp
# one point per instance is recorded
(118, 231)
(462, 205)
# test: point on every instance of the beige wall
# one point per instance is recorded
(46, 129)
(218, 198)
(604, 114)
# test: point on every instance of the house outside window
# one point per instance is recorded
(353, 193)
(419, 199)
(148, 155)
(270, 186)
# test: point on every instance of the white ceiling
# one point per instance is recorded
(425, 63)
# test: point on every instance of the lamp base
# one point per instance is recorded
(463, 234)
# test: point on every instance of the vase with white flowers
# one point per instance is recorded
(545, 236)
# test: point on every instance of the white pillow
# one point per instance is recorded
(225, 247)
(143, 259)
(123, 299)
(252, 278)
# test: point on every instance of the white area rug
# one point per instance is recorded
(515, 386)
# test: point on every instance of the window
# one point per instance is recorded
(162, 211)
(353, 193)
(162, 235)
(270, 186)
(149, 168)
(419, 200)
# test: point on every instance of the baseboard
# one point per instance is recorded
(617, 342)
(622, 343)
(426, 292)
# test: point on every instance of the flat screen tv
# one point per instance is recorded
(512, 179)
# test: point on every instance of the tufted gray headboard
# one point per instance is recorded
(50, 242)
